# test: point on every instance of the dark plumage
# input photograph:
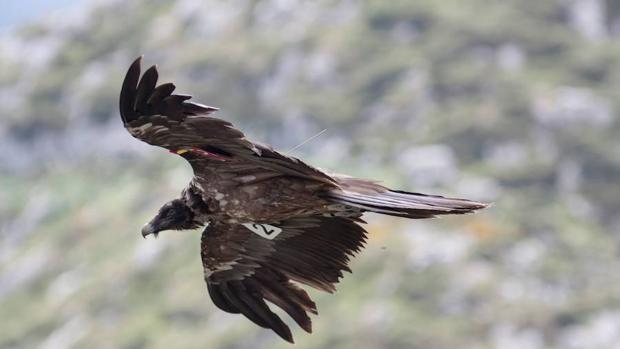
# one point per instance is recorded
(272, 221)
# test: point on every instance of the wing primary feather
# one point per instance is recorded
(290, 291)
(146, 86)
(191, 108)
(232, 298)
(219, 300)
(128, 91)
(294, 309)
(258, 307)
(162, 91)
(173, 106)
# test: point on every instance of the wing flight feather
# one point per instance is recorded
(153, 114)
(243, 269)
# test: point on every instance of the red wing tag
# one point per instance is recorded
(264, 230)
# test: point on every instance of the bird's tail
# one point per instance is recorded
(372, 197)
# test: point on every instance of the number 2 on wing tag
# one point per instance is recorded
(264, 230)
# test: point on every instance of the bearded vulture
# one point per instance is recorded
(271, 222)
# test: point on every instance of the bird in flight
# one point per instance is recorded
(271, 222)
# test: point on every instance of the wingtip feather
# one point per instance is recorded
(128, 90)
(146, 86)
(141, 96)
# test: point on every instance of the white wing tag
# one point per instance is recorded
(264, 230)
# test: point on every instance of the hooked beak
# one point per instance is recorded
(148, 229)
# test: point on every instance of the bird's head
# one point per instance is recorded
(174, 215)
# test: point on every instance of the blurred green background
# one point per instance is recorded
(510, 101)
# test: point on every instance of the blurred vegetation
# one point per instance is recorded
(510, 101)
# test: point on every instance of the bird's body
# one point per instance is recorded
(272, 221)
(266, 201)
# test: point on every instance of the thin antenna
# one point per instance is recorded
(304, 142)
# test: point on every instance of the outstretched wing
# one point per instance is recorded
(244, 266)
(155, 115)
